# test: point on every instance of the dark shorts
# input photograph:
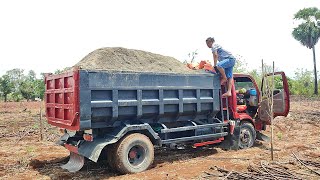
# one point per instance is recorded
(227, 65)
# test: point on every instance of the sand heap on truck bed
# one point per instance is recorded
(122, 59)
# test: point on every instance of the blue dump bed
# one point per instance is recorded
(107, 98)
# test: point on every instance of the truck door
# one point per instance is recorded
(281, 100)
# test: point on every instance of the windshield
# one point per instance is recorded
(246, 85)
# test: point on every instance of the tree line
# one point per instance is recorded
(302, 83)
(15, 85)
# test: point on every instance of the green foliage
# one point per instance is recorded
(15, 86)
(15, 96)
(16, 76)
(308, 33)
(278, 83)
(32, 75)
(6, 86)
(31, 87)
(240, 65)
(279, 135)
(59, 71)
(257, 76)
(306, 13)
(39, 88)
(27, 89)
(302, 83)
(291, 84)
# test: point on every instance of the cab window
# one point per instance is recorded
(243, 82)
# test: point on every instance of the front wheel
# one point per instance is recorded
(247, 136)
(134, 153)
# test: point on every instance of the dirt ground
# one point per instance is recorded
(24, 156)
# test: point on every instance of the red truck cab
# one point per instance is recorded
(256, 112)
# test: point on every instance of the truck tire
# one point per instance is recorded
(133, 154)
(247, 136)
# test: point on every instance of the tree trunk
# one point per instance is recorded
(315, 72)
(5, 97)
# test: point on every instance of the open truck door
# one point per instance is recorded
(281, 100)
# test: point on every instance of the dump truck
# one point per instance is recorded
(123, 116)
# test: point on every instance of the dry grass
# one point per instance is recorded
(23, 156)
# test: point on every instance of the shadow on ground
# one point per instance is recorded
(100, 170)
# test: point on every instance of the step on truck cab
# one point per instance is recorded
(123, 115)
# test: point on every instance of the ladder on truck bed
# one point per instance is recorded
(224, 104)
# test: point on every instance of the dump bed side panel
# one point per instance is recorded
(62, 100)
(148, 97)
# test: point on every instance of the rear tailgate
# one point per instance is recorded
(62, 100)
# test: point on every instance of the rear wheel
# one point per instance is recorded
(134, 153)
(247, 136)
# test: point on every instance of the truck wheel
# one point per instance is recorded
(134, 154)
(247, 136)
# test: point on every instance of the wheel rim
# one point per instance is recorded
(245, 137)
(136, 155)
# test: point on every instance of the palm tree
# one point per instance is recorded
(308, 33)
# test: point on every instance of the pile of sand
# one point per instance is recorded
(122, 59)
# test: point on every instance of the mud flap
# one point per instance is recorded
(63, 139)
(75, 162)
(231, 141)
(262, 137)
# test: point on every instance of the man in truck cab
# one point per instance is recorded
(224, 61)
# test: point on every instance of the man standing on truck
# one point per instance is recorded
(225, 64)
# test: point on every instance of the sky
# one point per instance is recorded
(49, 35)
